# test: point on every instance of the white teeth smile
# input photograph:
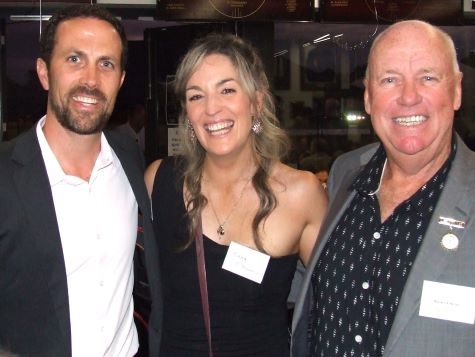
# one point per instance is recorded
(86, 100)
(411, 120)
(212, 128)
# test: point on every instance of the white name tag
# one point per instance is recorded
(246, 262)
(448, 302)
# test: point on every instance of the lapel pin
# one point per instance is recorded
(450, 222)
(450, 241)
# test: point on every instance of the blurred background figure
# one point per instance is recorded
(135, 124)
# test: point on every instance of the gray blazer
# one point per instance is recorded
(411, 335)
(34, 308)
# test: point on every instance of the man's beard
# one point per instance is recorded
(82, 122)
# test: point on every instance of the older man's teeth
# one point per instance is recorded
(86, 100)
(410, 121)
(212, 128)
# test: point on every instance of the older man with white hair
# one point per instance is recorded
(392, 272)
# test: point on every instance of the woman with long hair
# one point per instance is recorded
(254, 215)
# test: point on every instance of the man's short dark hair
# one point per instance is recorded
(48, 37)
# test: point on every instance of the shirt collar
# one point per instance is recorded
(54, 169)
(368, 181)
(436, 183)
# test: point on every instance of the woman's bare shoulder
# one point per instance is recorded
(296, 180)
(302, 201)
(299, 189)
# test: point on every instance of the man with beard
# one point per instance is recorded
(71, 197)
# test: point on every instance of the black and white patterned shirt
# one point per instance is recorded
(360, 275)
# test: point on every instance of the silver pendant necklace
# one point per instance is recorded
(221, 232)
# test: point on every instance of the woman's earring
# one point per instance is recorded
(191, 131)
(256, 126)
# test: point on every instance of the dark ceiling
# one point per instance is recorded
(32, 8)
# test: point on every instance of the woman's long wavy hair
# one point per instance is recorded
(269, 146)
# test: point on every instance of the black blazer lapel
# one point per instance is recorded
(34, 190)
(133, 167)
(132, 163)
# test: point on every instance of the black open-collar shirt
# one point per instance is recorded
(360, 275)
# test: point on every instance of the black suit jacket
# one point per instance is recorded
(34, 307)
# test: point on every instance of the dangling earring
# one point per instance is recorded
(191, 131)
(256, 126)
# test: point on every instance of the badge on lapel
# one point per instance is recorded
(449, 240)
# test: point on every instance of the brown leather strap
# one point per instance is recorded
(200, 260)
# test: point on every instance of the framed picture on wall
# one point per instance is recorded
(447, 12)
(319, 66)
(469, 9)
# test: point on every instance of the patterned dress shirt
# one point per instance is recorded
(360, 276)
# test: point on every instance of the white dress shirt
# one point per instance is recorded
(98, 226)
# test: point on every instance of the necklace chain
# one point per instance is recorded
(220, 229)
